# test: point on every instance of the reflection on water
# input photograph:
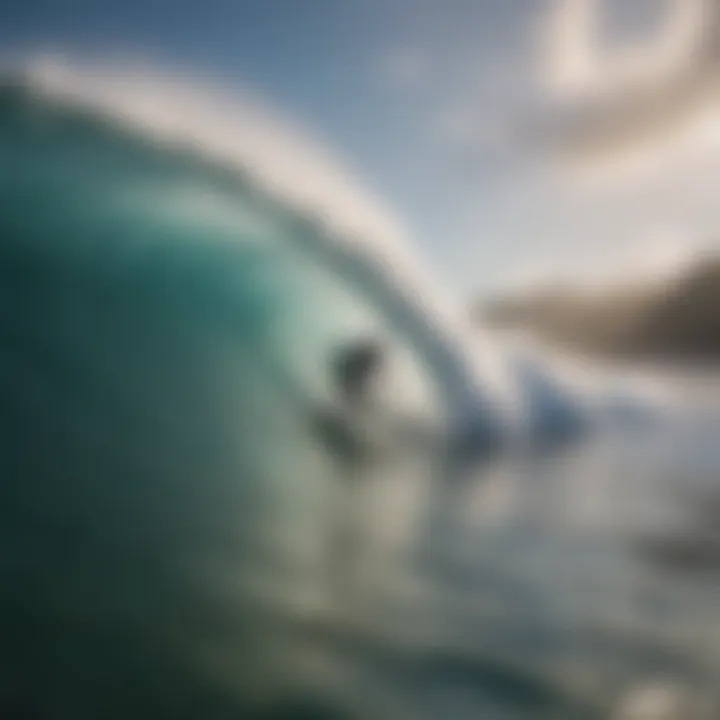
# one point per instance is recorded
(582, 584)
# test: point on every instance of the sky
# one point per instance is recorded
(432, 105)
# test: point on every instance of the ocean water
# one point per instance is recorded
(195, 524)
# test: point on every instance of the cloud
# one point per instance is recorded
(568, 57)
(578, 57)
(632, 100)
(579, 146)
(642, 102)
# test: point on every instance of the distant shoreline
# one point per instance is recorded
(673, 324)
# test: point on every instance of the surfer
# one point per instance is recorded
(340, 428)
(343, 429)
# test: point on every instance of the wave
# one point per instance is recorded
(176, 298)
(345, 233)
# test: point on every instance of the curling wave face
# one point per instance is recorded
(169, 323)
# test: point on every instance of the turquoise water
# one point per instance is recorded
(179, 541)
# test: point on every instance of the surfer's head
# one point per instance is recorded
(354, 368)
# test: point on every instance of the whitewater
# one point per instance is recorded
(196, 524)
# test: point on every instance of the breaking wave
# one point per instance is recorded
(177, 282)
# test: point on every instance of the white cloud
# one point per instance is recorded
(642, 207)
(576, 58)
(638, 106)
(568, 55)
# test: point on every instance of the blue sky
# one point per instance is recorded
(410, 93)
